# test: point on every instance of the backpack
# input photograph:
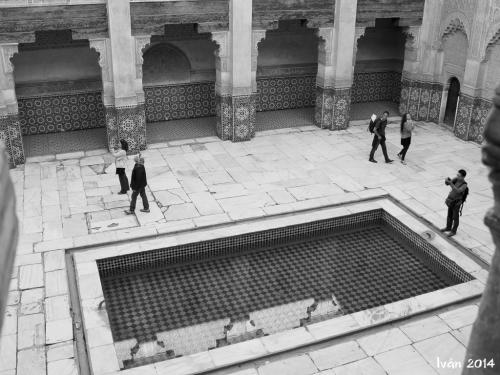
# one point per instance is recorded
(373, 121)
(464, 197)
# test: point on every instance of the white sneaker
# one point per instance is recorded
(403, 162)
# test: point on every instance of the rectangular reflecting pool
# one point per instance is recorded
(178, 300)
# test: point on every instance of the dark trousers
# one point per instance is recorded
(375, 144)
(453, 216)
(405, 142)
(122, 176)
(133, 200)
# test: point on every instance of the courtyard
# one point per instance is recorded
(69, 201)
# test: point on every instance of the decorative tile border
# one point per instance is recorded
(376, 86)
(333, 108)
(10, 134)
(421, 99)
(96, 322)
(56, 113)
(275, 93)
(480, 111)
(463, 116)
(235, 117)
(172, 102)
(127, 123)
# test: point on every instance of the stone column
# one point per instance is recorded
(125, 118)
(421, 89)
(10, 128)
(8, 230)
(411, 85)
(485, 336)
(335, 68)
(235, 100)
(466, 101)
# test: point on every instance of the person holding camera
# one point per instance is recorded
(120, 155)
(454, 201)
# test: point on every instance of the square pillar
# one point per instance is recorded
(235, 97)
(335, 68)
(10, 128)
(125, 113)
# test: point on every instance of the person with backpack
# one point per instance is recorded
(378, 128)
(138, 183)
(455, 200)
(407, 127)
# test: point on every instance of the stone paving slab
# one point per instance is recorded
(202, 182)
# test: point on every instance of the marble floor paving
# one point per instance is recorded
(69, 200)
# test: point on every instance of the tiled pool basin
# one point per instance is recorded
(212, 292)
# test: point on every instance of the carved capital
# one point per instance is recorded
(221, 38)
(101, 46)
(359, 32)
(257, 37)
(141, 42)
(7, 52)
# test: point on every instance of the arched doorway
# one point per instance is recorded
(178, 77)
(378, 68)
(452, 101)
(59, 94)
(287, 65)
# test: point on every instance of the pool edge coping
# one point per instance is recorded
(359, 321)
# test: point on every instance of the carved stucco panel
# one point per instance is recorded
(257, 37)
(141, 42)
(101, 46)
(221, 38)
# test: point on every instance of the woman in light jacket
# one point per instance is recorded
(120, 155)
(407, 127)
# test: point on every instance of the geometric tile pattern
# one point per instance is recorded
(333, 108)
(480, 111)
(422, 100)
(55, 113)
(376, 86)
(235, 117)
(277, 93)
(10, 134)
(356, 269)
(172, 102)
(463, 116)
(127, 123)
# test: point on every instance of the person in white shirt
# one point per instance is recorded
(120, 155)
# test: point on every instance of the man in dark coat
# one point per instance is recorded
(138, 184)
(379, 138)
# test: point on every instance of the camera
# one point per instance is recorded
(447, 181)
